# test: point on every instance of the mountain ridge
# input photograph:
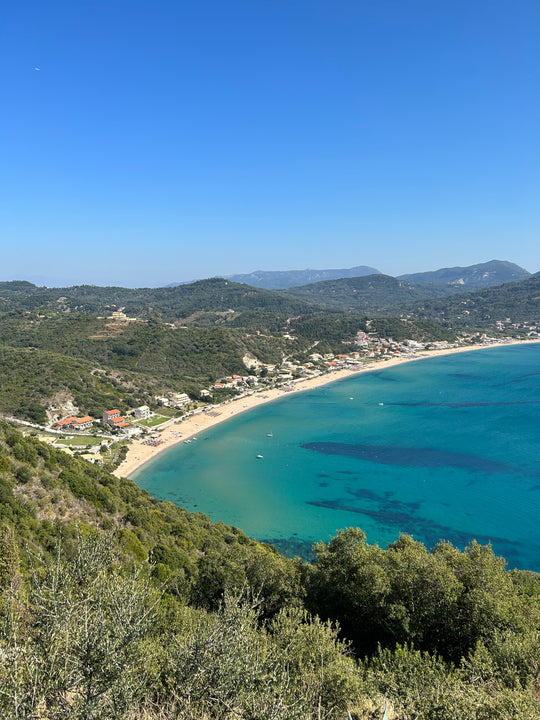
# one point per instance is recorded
(480, 275)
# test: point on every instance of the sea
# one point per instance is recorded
(443, 448)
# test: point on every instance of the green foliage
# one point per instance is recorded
(444, 601)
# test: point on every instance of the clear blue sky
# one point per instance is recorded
(145, 143)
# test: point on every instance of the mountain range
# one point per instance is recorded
(281, 279)
(494, 272)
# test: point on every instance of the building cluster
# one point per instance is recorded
(236, 381)
(75, 423)
(114, 420)
(176, 400)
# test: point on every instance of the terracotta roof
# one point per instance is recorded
(84, 419)
(66, 421)
(112, 412)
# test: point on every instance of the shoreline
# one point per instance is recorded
(181, 430)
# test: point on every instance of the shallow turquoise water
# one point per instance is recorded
(445, 447)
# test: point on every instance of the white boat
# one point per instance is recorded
(269, 434)
(259, 457)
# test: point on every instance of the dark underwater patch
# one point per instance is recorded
(379, 374)
(429, 532)
(292, 547)
(410, 457)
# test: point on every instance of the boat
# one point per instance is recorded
(269, 434)
(259, 457)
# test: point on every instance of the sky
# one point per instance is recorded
(144, 143)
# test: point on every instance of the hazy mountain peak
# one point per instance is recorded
(494, 272)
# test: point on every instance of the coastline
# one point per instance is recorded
(183, 429)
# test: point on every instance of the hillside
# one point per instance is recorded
(371, 294)
(511, 303)
(85, 360)
(170, 304)
(495, 272)
(116, 605)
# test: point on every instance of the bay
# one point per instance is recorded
(443, 448)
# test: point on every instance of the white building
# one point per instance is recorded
(142, 412)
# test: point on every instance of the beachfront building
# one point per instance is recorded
(181, 399)
(142, 412)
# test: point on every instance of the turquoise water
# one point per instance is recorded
(445, 447)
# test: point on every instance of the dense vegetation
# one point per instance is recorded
(373, 294)
(170, 304)
(517, 301)
(47, 354)
(116, 605)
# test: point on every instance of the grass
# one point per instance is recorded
(153, 421)
(79, 441)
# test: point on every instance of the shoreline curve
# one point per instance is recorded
(181, 430)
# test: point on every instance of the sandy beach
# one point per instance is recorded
(183, 429)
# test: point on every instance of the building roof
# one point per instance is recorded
(112, 412)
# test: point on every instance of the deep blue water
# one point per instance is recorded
(443, 448)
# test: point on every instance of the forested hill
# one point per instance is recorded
(370, 294)
(172, 303)
(516, 301)
(472, 277)
(116, 605)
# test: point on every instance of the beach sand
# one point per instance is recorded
(180, 429)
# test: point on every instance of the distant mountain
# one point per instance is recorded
(282, 279)
(372, 293)
(495, 272)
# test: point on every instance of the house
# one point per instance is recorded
(109, 415)
(114, 419)
(82, 423)
(142, 412)
(74, 423)
(181, 399)
(119, 423)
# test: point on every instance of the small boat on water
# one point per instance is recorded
(259, 457)
(269, 434)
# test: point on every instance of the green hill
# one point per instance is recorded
(170, 304)
(516, 302)
(372, 294)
